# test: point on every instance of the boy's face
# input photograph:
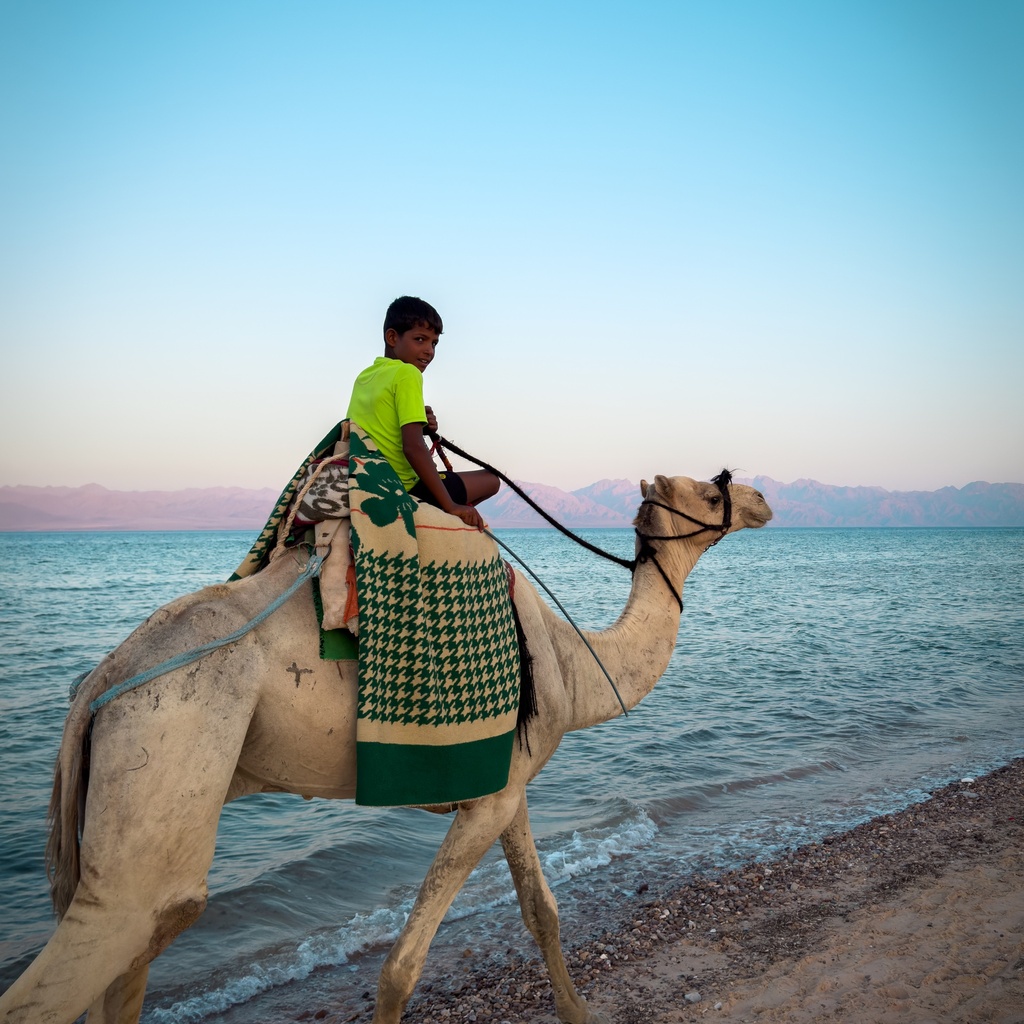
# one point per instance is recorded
(415, 346)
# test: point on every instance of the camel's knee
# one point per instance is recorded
(137, 925)
(540, 914)
(170, 923)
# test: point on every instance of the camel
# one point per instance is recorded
(267, 715)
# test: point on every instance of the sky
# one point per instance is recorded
(665, 237)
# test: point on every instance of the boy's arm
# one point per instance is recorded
(416, 452)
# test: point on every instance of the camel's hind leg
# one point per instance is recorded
(98, 957)
(122, 1002)
(540, 915)
(474, 830)
(155, 797)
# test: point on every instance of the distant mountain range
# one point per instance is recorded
(802, 503)
(607, 503)
(93, 507)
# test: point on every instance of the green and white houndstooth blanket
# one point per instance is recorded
(438, 657)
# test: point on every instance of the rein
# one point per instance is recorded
(440, 443)
(647, 552)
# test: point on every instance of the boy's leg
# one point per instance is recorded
(467, 488)
(452, 484)
(480, 485)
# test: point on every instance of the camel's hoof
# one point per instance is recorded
(588, 1016)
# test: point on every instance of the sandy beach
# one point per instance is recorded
(916, 917)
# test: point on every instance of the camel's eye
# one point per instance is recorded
(714, 500)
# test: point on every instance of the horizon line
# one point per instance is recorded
(528, 483)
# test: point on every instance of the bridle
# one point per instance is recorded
(646, 551)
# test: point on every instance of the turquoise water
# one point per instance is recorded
(820, 677)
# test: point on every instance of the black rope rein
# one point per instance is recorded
(629, 564)
(647, 552)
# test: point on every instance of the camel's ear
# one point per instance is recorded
(662, 485)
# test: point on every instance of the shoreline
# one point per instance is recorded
(917, 915)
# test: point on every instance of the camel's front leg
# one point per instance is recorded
(540, 915)
(474, 829)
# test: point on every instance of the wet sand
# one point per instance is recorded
(915, 917)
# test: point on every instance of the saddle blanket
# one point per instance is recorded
(438, 657)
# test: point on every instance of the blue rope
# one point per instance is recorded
(178, 661)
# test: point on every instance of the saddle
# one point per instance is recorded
(321, 503)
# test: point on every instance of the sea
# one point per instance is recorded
(820, 677)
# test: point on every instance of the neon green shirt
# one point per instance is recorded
(385, 397)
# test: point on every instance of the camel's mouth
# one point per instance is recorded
(757, 513)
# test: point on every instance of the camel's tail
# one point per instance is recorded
(527, 690)
(67, 801)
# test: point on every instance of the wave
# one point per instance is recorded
(489, 887)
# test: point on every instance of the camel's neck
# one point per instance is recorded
(637, 649)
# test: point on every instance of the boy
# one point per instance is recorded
(387, 402)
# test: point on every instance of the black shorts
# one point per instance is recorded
(452, 484)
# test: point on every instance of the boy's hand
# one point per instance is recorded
(469, 515)
(431, 421)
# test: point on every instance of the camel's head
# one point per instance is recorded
(703, 508)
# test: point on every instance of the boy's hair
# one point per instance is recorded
(408, 312)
